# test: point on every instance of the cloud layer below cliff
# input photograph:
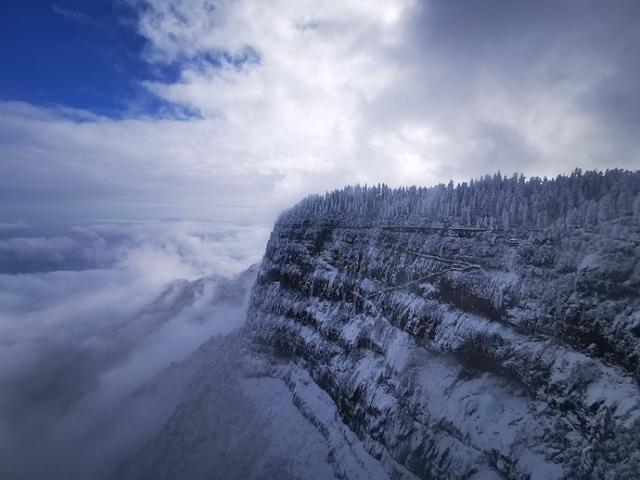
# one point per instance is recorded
(83, 324)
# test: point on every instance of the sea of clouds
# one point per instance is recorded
(85, 320)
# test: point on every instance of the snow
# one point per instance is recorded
(382, 363)
(291, 436)
(350, 459)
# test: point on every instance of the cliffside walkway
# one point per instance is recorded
(456, 266)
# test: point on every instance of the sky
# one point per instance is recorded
(234, 110)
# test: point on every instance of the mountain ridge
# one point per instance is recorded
(502, 348)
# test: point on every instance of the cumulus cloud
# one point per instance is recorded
(297, 97)
(125, 301)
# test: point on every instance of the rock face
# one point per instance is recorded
(397, 347)
(507, 369)
(462, 352)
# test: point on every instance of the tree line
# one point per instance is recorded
(581, 199)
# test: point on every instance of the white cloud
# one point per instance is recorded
(300, 111)
(298, 97)
(71, 15)
(77, 341)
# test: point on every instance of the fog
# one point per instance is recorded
(91, 313)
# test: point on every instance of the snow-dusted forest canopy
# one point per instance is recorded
(582, 199)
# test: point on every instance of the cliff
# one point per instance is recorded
(461, 350)
(419, 334)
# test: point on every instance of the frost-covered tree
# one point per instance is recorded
(582, 199)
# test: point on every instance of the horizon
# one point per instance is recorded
(12, 224)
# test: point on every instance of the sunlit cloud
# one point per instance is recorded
(291, 98)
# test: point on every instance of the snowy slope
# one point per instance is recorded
(245, 415)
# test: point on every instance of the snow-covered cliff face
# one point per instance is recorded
(458, 344)
(464, 353)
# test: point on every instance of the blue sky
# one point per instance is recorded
(156, 108)
(81, 54)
